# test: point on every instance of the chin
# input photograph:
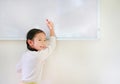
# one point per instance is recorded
(40, 49)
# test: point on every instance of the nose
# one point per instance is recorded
(43, 43)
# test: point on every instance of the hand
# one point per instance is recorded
(51, 27)
(50, 24)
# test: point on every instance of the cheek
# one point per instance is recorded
(37, 43)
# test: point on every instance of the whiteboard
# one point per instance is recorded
(73, 19)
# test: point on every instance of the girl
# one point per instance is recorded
(32, 60)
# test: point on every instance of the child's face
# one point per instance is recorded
(39, 41)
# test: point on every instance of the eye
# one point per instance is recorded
(45, 40)
(39, 40)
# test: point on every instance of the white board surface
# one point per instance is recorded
(73, 19)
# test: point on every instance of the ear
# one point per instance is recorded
(30, 42)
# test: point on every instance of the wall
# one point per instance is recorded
(75, 62)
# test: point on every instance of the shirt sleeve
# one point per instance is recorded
(46, 52)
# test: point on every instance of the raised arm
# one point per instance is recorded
(51, 27)
(52, 41)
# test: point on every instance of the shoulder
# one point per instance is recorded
(29, 55)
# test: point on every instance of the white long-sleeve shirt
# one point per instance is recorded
(32, 62)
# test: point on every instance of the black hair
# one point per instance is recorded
(30, 35)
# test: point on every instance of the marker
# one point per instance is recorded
(47, 20)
